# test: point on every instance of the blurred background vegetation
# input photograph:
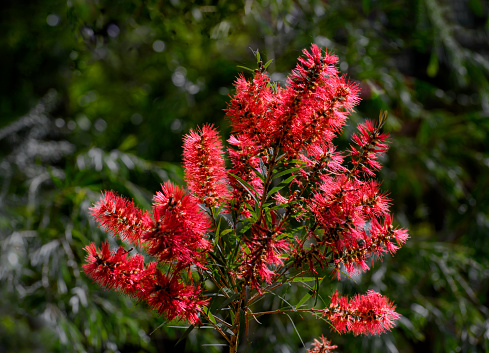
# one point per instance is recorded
(96, 94)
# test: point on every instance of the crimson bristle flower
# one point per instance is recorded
(244, 161)
(116, 270)
(337, 207)
(312, 107)
(361, 315)
(383, 236)
(321, 346)
(168, 295)
(204, 166)
(261, 255)
(311, 66)
(370, 144)
(120, 216)
(179, 229)
(322, 157)
(173, 298)
(250, 107)
(375, 203)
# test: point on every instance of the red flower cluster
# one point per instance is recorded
(370, 143)
(175, 236)
(204, 166)
(168, 295)
(363, 314)
(178, 233)
(322, 346)
(347, 210)
(290, 205)
(120, 216)
(119, 271)
(262, 252)
(310, 110)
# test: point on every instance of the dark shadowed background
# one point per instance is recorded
(96, 94)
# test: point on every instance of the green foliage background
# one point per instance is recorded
(97, 94)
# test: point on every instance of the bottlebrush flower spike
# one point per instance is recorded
(375, 203)
(383, 235)
(322, 158)
(244, 160)
(204, 166)
(118, 271)
(179, 230)
(363, 314)
(174, 299)
(249, 108)
(371, 143)
(337, 209)
(311, 108)
(261, 254)
(120, 216)
(322, 346)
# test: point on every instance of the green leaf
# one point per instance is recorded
(228, 301)
(282, 185)
(247, 186)
(267, 63)
(226, 231)
(287, 171)
(211, 317)
(306, 297)
(257, 55)
(305, 279)
(219, 261)
(303, 300)
(235, 252)
(245, 68)
(248, 225)
(185, 334)
(284, 205)
(160, 326)
(258, 174)
(217, 235)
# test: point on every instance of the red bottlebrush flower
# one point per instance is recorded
(244, 160)
(204, 166)
(121, 217)
(262, 252)
(381, 239)
(249, 109)
(337, 209)
(179, 229)
(382, 235)
(311, 66)
(322, 346)
(374, 202)
(174, 299)
(322, 156)
(118, 271)
(341, 215)
(371, 143)
(363, 314)
(311, 108)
